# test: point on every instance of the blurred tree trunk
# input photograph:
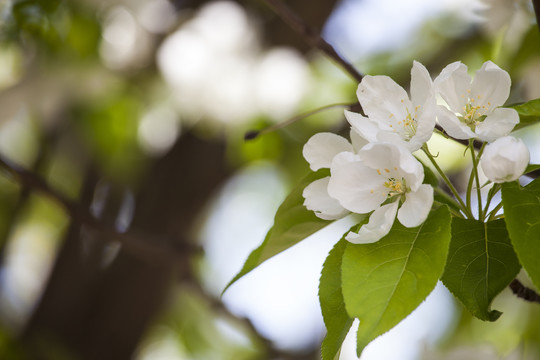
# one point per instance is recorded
(101, 311)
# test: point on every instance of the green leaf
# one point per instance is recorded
(529, 113)
(481, 263)
(533, 187)
(335, 316)
(522, 215)
(531, 167)
(385, 281)
(292, 223)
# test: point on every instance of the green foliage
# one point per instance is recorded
(84, 34)
(203, 333)
(60, 28)
(33, 15)
(531, 167)
(522, 215)
(385, 281)
(481, 263)
(529, 113)
(110, 130)
(38, 19)
(335, 316)
(292, 223)
(266, 147)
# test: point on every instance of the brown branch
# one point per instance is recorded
(153, 252)
(536, 6)
(521, 291)
(311, 36)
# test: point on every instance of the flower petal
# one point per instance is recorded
(362, 125)
(318, 201)
(424, 129)
(322, 147)
(379, 225)
(491, 86)
(498, 124)
(393, 161)
(383, 99)
(343, 158)
(357, 187)
(395, 138)
(421, 84)
(423, 99)
(357, 140)
(452, 84)
(451, 124)
(416, 207)
(380, 155)
(411, 170)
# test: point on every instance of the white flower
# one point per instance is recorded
(473, 106)
(505, 159)
(391, 115)
(379, 178)
(319, 152)
(317, 200)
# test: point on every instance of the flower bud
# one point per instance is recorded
(505, 159)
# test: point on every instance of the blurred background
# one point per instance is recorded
(134, 113)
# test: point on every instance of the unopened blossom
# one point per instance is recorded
(391, 115)
(319, 152)
(505, 159)
(385, 179)
(473, 109)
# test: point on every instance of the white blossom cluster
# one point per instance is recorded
(376, 172)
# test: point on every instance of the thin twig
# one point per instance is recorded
(521, 291)
(253, 134)
(311, 36)
(153, 252)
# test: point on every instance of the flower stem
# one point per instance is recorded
(494, 190)
(447, 181)
(493, 213)
(474, 174)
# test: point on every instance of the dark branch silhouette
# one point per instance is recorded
(311, 36)
(523, 292)
(536, 6)
(153, 252)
